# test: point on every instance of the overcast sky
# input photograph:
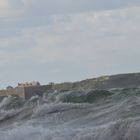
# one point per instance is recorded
(67, 40)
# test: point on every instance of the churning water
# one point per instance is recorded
(91, 115)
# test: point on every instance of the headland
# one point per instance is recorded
(27, 90)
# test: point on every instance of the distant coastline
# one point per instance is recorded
(27, 90)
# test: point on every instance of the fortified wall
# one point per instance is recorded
(33, 91)
(19, 91)
(26, 90)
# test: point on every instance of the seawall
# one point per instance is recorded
(26, 92)
(18, 91)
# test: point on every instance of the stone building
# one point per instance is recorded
(26, 90)
(29, 84)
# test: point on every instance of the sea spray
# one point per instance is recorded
(73, 115)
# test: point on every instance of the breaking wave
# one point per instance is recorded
(78, 96)
(72, 115)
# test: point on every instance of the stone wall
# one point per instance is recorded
(36, 90)
(26, 92)
(19, 91)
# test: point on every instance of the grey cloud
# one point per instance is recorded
(38, 13)
(16, 4)
(69, 47)
(28, 8)
(23, 22)
(46, 7)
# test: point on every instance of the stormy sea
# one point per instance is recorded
(72, 115)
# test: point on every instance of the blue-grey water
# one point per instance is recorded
(72, 115)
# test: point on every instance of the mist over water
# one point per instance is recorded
(72, 115)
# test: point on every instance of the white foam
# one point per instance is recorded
(38, 129)
(63, 121)
(5, 101)
(51, 108)
(34, 98)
